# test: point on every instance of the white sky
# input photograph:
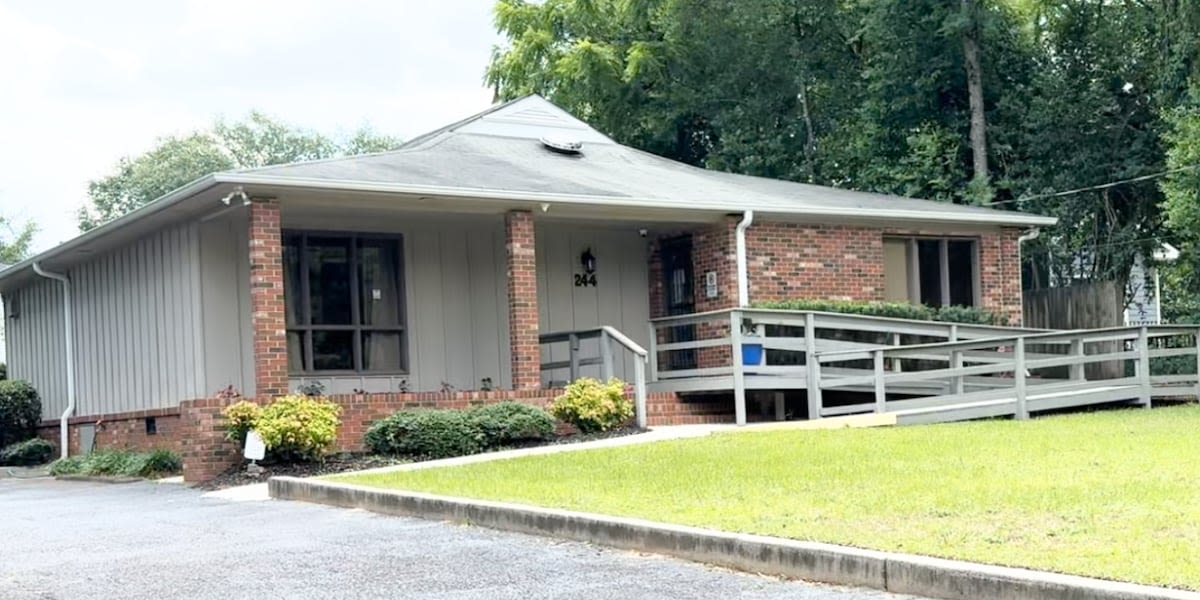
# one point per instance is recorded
(84, 83)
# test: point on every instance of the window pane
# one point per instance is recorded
(379, 278)
(929, 257)
(333, 350)
(382, 351)
(296, 351)
(962, 273)
(292, 295)
(329, 280)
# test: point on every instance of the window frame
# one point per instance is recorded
(914, 266)
(306, 328)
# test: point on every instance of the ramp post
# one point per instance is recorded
(1143, 365)
(813, 380)
(739, 369)
(1019, 378)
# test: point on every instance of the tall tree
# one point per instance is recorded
(974, 69)
(255, 141)
(15, 240)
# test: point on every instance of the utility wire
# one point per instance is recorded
(1094, 187)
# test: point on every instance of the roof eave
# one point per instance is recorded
(999, 218)
(162, 203)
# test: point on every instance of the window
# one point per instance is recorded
(931, 271)
(344, 297)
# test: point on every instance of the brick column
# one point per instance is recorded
(519, 243)
(266, 300)
(1000, 274)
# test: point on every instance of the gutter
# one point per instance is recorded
(69, 338)
(742, 270)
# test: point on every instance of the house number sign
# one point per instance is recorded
(585, 280)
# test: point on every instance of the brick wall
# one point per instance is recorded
(519, 244)
(829, 262)
(267, 300)
(122, 431)
(1000, 273)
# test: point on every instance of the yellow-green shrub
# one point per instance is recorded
(299, 427)
(240, 418)
(593, 406)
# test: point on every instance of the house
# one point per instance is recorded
(431, 274)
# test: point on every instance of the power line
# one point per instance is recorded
(1094, 187)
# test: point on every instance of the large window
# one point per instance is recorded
(345, 303)
(931, 271)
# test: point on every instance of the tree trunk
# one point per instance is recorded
(970, 42)
(810, 139)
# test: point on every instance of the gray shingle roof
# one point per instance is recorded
(500, 151)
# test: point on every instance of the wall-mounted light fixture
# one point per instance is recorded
(588, 261)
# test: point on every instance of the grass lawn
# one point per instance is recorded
(1113, 494)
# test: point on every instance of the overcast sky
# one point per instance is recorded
(84, 83)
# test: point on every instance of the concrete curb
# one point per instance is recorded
(828, 563)
(99, 478)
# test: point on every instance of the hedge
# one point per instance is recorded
(896, 310)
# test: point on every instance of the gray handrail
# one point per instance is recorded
(606, 334)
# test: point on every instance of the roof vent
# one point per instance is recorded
(561, 145)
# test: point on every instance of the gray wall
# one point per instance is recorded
(138, 318)
(457, 299)
(225, 299)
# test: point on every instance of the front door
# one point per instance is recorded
(680, 298)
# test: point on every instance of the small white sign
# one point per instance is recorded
(377, 294)
(255, 448)
(710, 284)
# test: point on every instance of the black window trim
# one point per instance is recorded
(914, 284)
(307, 327)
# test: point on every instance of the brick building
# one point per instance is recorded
(433, 275)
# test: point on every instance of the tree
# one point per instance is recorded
(255, 141)
(15, 240)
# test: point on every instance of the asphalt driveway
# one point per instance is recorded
(73, 540)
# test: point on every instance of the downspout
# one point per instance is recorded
(1028, 236)
(69, 339)
(743, 270)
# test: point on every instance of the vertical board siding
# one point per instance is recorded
(134, 309)
(620, 298)
(225, 348)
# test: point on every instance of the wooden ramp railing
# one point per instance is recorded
(1012, 374)
(605, 356)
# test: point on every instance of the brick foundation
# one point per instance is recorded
(122, 431)
(519, 244)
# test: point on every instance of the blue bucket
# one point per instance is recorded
(752, 354)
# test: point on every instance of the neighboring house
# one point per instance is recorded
(1144, 291)
(395, 277)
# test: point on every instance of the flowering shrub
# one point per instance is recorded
(592, 406)
(292, 427)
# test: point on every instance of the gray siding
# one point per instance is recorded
(138, 324)
(225, 294)
(457, 298)
(620, 298)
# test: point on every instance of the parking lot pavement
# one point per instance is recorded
(75, 540)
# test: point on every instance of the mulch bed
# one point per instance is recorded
(343, 463)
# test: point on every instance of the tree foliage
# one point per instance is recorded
(256, 141)
(15, 240)
(875, 95)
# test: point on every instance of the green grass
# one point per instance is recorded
(1113, 494)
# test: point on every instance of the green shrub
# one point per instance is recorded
(120, 463)
(27, 453)
(592, 406)
(895, 310)
(509, 422)
(20, 411)
(240, 418)
(299, 427)
(3, 371)
(426, 434)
